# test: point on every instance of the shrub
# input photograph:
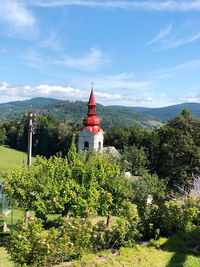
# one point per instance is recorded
(28, 246)
(34, 246)
(1, 223)
(170, 217)
(123, 233)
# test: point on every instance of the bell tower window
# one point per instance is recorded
(99, 146)
(86, 145)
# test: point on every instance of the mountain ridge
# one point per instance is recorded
(74, 112)
(167, 112)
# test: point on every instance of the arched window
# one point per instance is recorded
(86, 145)
(99, 147)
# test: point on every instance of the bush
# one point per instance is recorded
(28, 246)
(1, 223)
(123, 233)
(170, 217)
(33, 245)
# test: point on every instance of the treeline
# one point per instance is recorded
(172, 151)
(50, 135)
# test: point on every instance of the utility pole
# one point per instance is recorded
(30, 117)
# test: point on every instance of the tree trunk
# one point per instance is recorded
(108, 221)
(66, 209)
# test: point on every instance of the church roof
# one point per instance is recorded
(91, 122)
(91, 100)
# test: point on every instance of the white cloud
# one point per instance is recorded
(3, 51)
(52, 41)
(191, 98)
(89, 62)
(92, 61)
(163, 33)
(122, 82)
(132, 5)
(150, 99)
(11, 92)
(16, 15)
(54, 91)
(184, 67)
(168, 44)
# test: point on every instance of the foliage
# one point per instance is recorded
(169, 112)
(148, 186)
(51, 136)
(123, 233)
(178, 153)
(193, 188)
(2, 136)
(32, 245)
(80, 183)
(138, 159)
(74, 112)
(170, 217)
(1, 222)
(73, 237)
(28, 246)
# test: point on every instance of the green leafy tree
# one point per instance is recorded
(138, 159)
(82, 183)
(2, 136)
(178, 153)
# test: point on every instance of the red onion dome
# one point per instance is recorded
(91, 121)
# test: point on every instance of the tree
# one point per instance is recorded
(2, 136)
(178, 152)
(138, 159)
(81, 183)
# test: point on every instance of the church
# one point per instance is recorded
(91, 135)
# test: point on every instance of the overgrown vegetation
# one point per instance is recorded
(162, 201)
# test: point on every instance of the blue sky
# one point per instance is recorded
(137, 53)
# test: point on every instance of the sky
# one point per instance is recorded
(136, 53)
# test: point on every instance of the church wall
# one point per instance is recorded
(92, 138)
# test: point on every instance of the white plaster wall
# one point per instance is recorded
(92, 138)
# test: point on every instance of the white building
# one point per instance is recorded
(91, 135)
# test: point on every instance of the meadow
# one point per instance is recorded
(11, 158)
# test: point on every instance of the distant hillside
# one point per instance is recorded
(165, 113)
(75, 111)
(26, 104)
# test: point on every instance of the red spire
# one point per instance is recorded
(91, 100)
(91, 122)
(91, 105)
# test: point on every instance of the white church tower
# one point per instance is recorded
(91, 135)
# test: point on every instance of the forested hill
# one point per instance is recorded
(26, 104)
(75, 111)
(166, 113)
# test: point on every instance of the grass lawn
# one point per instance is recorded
(171, 252)
(4, 261)
(11, 158)
(143, 257)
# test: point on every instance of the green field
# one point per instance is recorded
(4, 260)
(11, 158)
